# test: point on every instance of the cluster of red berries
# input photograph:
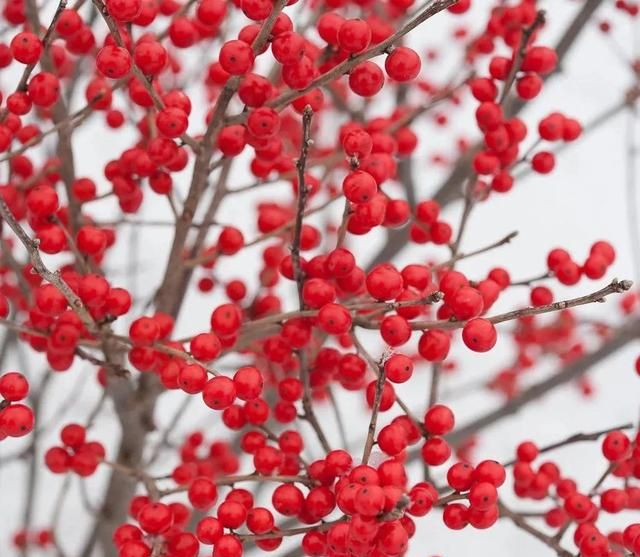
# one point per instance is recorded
(481, 483)
(16, 419)
(464, 302)
(503, 136)
(568, 272)
(59, 329)
(199, 461)
(631, 8)
(157, 523)
(41, 539)
(583, 509)
(76, 453)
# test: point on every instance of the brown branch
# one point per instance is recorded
(519, 54)
(346, 66)
(307, 404)
(377, 399)
(301, 164)
(523, 524)
(576, 438)
(51, 277)
(460, 256)
(530, 281)
(60, 117)
(615, 287)
(142, 78)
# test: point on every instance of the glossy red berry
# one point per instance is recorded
(398, 368)
(155, 518)
(354, 35)
(359, 186)
(366, 79)
(615, 446)
(219, 392)
(13, 386)
(16, 420)
(334, 319)
(384, 282)
(248, 383)
(479, 335)
(113, 61)
(236, 57)
(439, 420)
(124, 10)
(172, 122)
(202, 493)
(26, 47)
(434, 345)
(403, 64)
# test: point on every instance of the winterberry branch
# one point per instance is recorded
(532, 280)
(301, 164)
(460, 256)
(576, 438)
(516, 65)
(377, 398)
(53, 278)
(523, 524)
(46, 42)
(615, 287)
(344, 67)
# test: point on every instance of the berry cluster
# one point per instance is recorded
(59, 330)
(77, 454)
(583, 509)
(568, 272)
(40, 539)
(16, 419)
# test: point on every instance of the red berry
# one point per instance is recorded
(113, 61)
(435, 451)
(172, 122)
(366, 79)
(359, 186)
(26, 48)
(155, 518)
(124, 10)
(434, 345)
(13, 386)
(615, 446)
(439, 420)
(16, 420)
(543, 162)
(248, 383)
(219, 392)
(334, 319)
(354, 35)
(403, 64)
(236, 57)
(479, 335)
